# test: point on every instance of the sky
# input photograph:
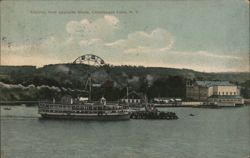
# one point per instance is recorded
(203, 35)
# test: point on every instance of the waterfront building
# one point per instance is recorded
(133, 98)
(214, 91)
(226, 100)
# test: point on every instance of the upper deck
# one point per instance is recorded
(86, 108)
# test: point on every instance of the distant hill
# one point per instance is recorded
(17, 69)
(113, 79)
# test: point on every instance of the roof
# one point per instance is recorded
(226, 96)
(213, 83)
(134, 95)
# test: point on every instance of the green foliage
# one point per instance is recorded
(245, 89)
(152, 81)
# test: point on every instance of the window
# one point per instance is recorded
(226, 93)
(230, 93)
(222, 93)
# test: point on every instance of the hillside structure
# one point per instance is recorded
(214, 91)
(133, 99)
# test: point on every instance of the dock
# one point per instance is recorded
(28, 103)
(154, 115)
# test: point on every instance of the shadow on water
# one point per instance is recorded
(42, 119)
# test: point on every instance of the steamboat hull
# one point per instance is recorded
(93, 117)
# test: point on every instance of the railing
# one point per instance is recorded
(78, 106)
(81, 111)
(59, 108)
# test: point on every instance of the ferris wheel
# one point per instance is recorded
(90, 59)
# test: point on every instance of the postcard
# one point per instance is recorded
(125, 78)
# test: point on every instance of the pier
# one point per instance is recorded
(153, 115)
(29, 103)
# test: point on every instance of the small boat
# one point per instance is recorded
(7, 108)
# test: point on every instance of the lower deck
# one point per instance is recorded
(117, 116)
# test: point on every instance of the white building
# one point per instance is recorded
(133, 98)
(214, 91)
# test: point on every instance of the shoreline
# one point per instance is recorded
(35, 103)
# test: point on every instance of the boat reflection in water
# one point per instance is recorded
(85, 111)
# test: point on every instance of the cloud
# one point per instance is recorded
(197, 60)
(206, 54)
(105, 37)
(209, 61)
(20, 86)
(112, 20)
(33, 87)
(89, 43)
(159, 40)
(99, 28)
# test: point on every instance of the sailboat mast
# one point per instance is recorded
(90, 85)
(127, 97)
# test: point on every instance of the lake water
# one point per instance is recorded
(211, 133)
